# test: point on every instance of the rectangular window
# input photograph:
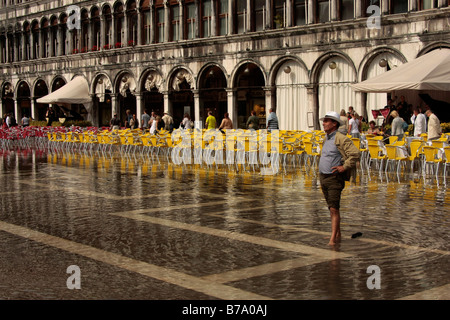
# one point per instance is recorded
(399, 6)
(427, 4)
(190, 20)
(206, 18)
(299, 12)
(147, 26)
(175, 13)
(241, 15)
(223, 17)
(259, 10)
(279, 14)
(323, 11)
(347, 9)
(160, 24)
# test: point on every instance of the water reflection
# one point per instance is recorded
(84, 197)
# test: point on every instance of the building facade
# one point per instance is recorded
(298, 57)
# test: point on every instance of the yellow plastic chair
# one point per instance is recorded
(392, 155)
(376, 155)
(431, 159)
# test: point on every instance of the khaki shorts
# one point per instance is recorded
(332, 186)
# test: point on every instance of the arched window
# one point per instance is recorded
(427, 4)
(132, 19)
(62, 41)
(53, 37)
(119, 19)
(44, 35)
(96, 27)
(108, 41)
(26, 41)
(240, 18)
(35, 40)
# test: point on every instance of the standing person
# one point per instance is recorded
(403, 109)
(154, 125)
(134, 122)
(226, 122)
(168, 121)
(186, 123)
(434, 126)
(115, 122)
(343, 116)
(354, 126)
(50, 115)
(397, 125)
(338, 159)
(253, 121)
(210, 121)
(419, 121)
(145, 118)
(25, 122)
(128, 118)
(272, 120)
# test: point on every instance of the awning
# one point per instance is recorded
(428, 72)
(73, 92)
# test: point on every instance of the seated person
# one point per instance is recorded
(373, 128)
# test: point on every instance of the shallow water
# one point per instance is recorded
(205, 221)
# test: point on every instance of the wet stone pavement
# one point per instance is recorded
(145, 229)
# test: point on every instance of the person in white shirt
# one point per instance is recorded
(419, 121)
(434, 126)
(354, 126)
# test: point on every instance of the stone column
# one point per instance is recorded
(113, 30)
(114, 104)
(102, 31)
(231, 106)
(41, 43)
(16, 48)
(167, 21)
(139, 29)
(289, 15)
(181, 25)
(311, 91)
(152, 25)
(139, 107)
(268, 99)
(197, 112)
(333, 10)
(213, 19)
(384, 6)
(359, 9)
(310, 10)
(33, 108)
(167, 104)
(230, 18)
(17, 113)
(268, 15)
(2, 111)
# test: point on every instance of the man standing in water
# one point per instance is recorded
(338, 159)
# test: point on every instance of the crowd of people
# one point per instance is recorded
(9, 121)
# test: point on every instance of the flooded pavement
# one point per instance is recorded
(142, 228)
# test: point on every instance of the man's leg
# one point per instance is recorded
(335, 226)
